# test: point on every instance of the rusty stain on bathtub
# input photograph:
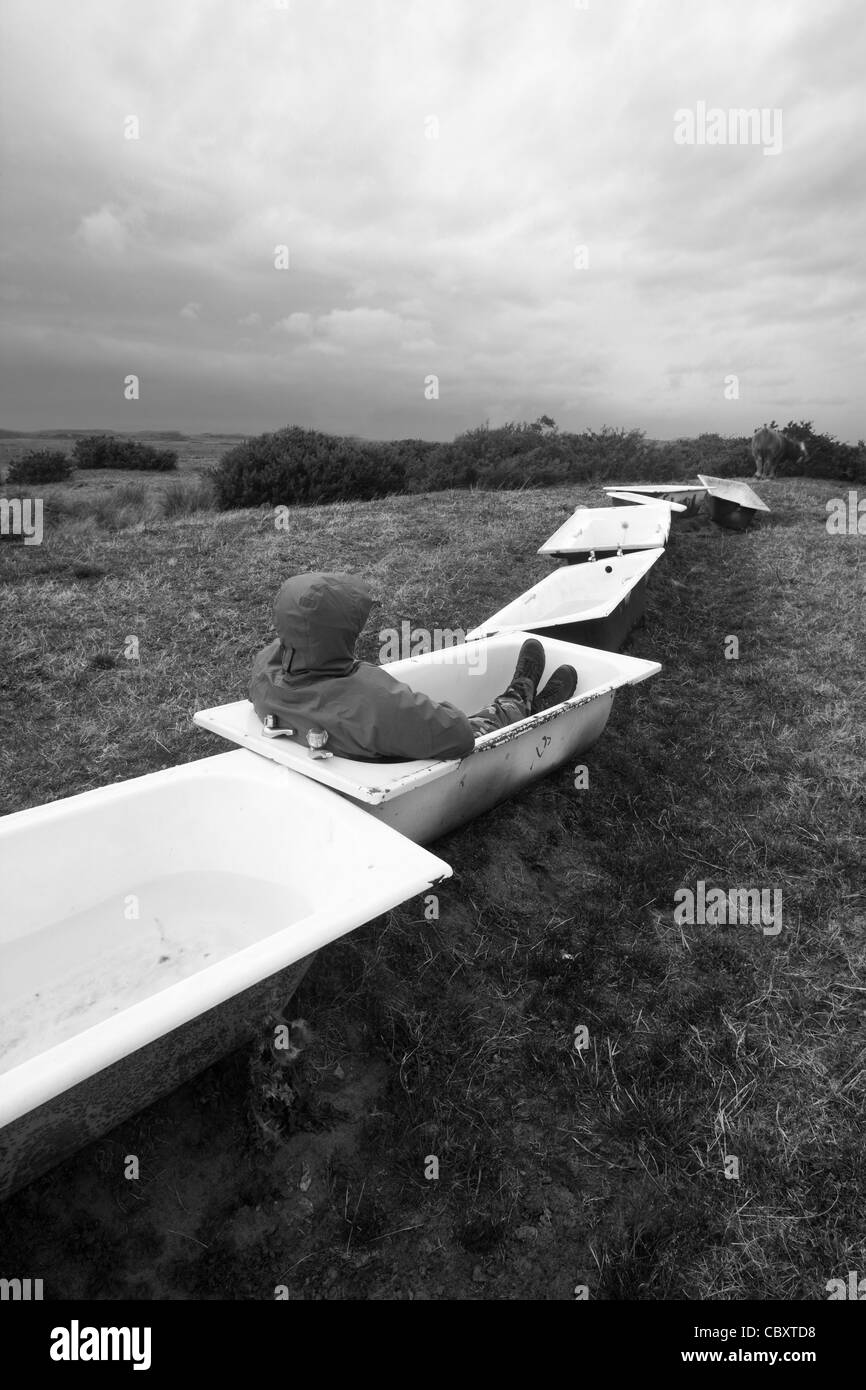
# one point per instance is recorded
(514, 731)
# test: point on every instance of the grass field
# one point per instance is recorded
(195, 451)
(454, 1038)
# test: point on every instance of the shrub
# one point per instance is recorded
(534, 455)
(410, 456)
(107, 451)
(160, 460)
(353, 470)
(93, 451)
(41, 466)
(612, 456)
(438, 469)
(827, 457)
(296, 466)
(508, 456)
(720, 456)
(731, 457)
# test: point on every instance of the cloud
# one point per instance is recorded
(361, 327)
(296, 325)
(306, 127)
(365, 289)
(108, 231)
(364, 333)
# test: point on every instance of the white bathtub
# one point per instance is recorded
(680, 492)
(685, 499)
(603, 531)
(731, 503)
(595, 605)
(428, 798)
(148, 927)
(620, 498)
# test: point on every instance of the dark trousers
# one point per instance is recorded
(513, 704)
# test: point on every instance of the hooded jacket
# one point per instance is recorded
(310, 678)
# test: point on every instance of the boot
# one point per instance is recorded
(530, 663)
(561, 686)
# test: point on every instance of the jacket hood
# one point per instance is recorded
(318, 618)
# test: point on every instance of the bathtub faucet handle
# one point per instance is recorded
(316, 740)
(270, 729)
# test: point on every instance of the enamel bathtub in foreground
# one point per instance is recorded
(595, 605)
(428, 798)
(150, 927)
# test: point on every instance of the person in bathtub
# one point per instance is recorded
(309, 678)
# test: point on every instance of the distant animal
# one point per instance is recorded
(770, 448)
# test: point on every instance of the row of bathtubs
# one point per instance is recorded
(148, 927)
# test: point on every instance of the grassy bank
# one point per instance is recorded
(454, 1038)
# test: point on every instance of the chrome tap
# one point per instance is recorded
(270, 728)
(316, 740)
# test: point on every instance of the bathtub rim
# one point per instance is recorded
(42, 1077)
(655, 492)
(645, 500)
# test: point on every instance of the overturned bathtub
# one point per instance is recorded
(597, 532)
(595, 605)
(732, 504)
(427, 798)
(149, 927)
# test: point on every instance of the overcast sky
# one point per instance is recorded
(416, 251)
